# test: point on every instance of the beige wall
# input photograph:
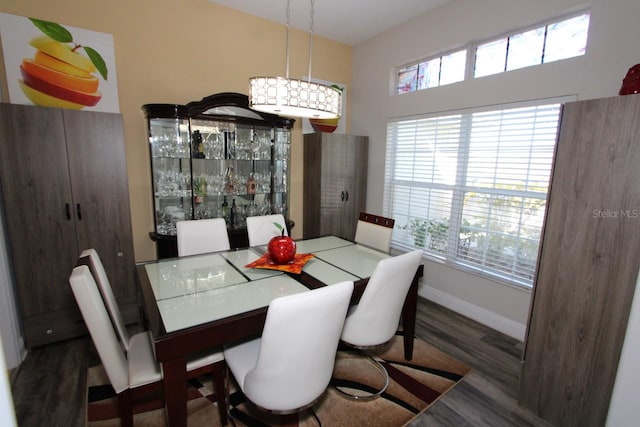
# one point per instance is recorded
(170, 51)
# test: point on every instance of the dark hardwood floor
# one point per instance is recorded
(49, 386)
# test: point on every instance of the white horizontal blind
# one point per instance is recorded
(471, 187)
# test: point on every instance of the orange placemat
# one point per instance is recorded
(294, 266)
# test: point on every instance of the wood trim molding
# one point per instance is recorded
(376, 219)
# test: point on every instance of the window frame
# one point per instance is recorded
(471, 49)
(451, 257)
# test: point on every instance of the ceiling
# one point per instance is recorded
(346, 21)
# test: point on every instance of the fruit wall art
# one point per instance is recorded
(55, 65)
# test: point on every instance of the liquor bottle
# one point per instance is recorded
(225, 210)
(251, 184)
(197, 150)
(230, 181)
(233, 219)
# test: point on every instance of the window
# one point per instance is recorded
(443, 70)
(471, 187)
(552, 42)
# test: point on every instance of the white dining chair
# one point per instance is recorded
(375, 319)
(133, 373)
(261, 228)
(91, 258)
(374, 231)
(202, 236)
(290, 366)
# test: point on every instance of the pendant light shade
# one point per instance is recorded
(292, 97)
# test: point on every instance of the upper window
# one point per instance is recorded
(434, 72)
(546, 43)
(552, 42)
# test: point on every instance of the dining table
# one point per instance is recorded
(199, 303)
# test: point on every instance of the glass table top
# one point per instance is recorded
(202, 288)
(358, 260)
(310, 246)
(202, 307)
(184, 276)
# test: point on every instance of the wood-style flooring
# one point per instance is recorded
(49, 386)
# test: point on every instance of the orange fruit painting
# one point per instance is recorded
(61, 72)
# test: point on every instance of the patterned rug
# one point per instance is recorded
(413, 387)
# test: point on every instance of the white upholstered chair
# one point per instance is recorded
(374, 231)
(261, 228)
(202, 236)
(291, 365)
(133, 373)
(375, 319)
(104, 285)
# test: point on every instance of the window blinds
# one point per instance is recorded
(471, 187)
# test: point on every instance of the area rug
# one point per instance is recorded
(414, 386)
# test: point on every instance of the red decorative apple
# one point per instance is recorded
(282, 249)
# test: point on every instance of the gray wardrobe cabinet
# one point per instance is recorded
(64, 187)
(335, 183)
(588, 264)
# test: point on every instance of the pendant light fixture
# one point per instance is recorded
(292, 97)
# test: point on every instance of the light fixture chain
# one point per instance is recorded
(293, 97)
(287, 48)
(311, 37)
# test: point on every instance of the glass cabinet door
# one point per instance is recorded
(281, 156)
(232, 179)
(171, 172)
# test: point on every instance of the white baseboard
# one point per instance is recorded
(488, 318)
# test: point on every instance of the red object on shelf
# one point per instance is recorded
(631, 82)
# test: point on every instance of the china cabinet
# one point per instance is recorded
(216, 158)
(588, 264)
(64, 189)
(335, 183)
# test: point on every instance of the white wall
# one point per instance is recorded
(613, 48)
(9, 331)
(625, 400)
(7, 413)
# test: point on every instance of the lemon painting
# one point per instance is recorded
(54, 65)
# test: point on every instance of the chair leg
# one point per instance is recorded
(125, 408)
(220, 390)
(371, 396)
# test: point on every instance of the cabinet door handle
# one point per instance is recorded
(78, 212)
(346, 198)
(67, 211)
(342, 196)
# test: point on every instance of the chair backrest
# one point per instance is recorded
(261, 229)
(94, 313)
(374, 231)
(298, 348)
(100, 276)
(375, 319)
(202, 236)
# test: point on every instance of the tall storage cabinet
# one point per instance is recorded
(335, 183)
(588, 264)
(64, 187)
